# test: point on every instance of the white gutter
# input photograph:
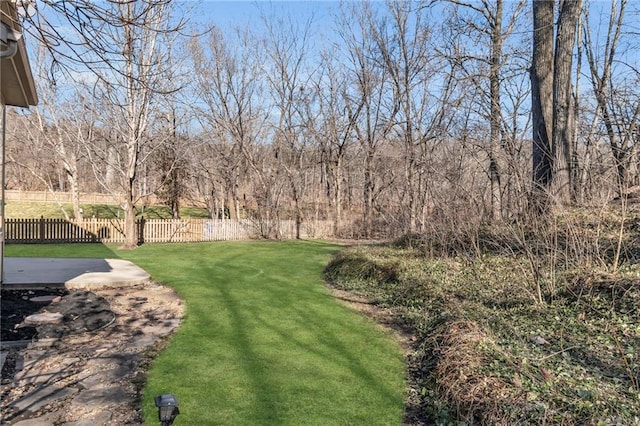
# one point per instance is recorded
(9, 40)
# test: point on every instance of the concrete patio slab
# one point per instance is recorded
(88, 274)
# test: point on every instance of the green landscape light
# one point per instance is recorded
(167, 408)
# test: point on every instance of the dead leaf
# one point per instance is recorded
(548, 375)
(516, 381)
(539, 340)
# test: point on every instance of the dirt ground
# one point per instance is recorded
(89, 369)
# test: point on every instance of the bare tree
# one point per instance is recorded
(335, 132)
(118, 44)
(542, 95)
(516, 114)
(170, 160)
(552, 106)
(58, 130)
(368, 100)
(617, 103)
(564, 110)
(169, 168)
(404, 40)
(228, 86)
(290, 83)
(128, 90)
(485, 24)
(78, 33)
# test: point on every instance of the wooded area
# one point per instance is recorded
(383, 118)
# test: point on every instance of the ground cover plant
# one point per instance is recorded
(518, 324)
(263, 341)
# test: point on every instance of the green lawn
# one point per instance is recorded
(263, 341)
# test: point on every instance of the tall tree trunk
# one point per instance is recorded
(542, 98)
(74, 188)
(552, 105)
(130, 234)
(496, 112)
(337, 196)
(368, 188)
(175, 197)
(563, 122)
(577, 184)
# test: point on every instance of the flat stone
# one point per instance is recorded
(99, 379)
(44, 342)
(20, 344)
(46, 420)
(101, 418)
(95, 399)
(43, 375)
(144, 341)
(99, 369)
(44, 318)
(35, 356)
(162, 328)
(41, 397)
(123, 361)
(45, 300)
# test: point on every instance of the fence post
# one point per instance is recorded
(41, 230)
(140, 227)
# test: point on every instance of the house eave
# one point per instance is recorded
(17, 86)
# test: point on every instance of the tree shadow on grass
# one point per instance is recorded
(323, 347)
(263, 393)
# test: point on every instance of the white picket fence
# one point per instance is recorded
(157, 230)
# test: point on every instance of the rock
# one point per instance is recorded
(89, 377)
(45, 300)
(102, 418)
(95, 399)
(44, 318)
(539, 340)
(41, 397)
(46, 420)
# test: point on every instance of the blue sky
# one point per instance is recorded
(240, 12)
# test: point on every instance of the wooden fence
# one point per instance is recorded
(43, 230)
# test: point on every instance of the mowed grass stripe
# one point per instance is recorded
(283, 351)
(264, 343)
